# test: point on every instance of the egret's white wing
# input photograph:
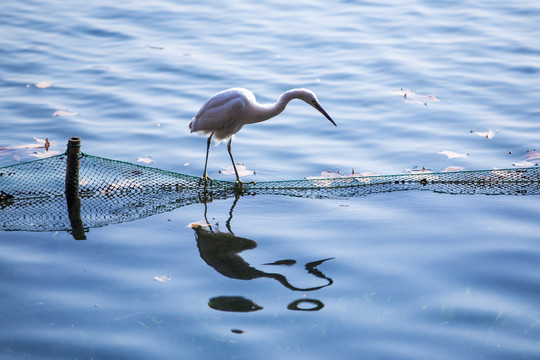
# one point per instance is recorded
(220, 115)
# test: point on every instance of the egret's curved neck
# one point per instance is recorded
(264, 112)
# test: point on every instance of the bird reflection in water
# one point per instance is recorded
(221, 250)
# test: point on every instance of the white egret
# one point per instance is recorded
(225, 113)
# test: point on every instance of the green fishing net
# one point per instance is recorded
(33, 194)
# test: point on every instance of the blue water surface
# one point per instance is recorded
(397, 275)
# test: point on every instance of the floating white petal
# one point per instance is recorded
(452, 154)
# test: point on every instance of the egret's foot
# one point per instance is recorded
(206, 179)
(238, 186)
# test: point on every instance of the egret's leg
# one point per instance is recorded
(238, 183)
(205, 176)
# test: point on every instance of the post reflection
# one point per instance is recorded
(222, 250)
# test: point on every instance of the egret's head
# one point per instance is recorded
(309, 97)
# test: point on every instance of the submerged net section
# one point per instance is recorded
(518, 181)
(105, 178)
(97, 177)
(33, 194)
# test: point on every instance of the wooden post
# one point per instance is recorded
(72, 188)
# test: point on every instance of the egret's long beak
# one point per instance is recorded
(319, 107)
